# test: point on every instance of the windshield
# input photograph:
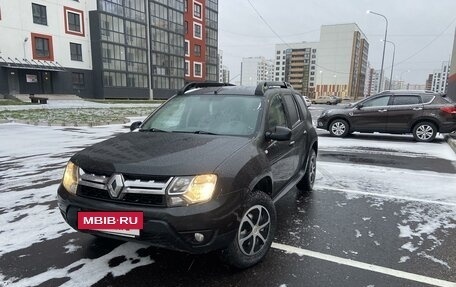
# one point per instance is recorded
(208, 114)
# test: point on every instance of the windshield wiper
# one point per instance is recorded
(196, 132)
(154, 130)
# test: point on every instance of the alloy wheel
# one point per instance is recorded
(424, 132)
(254, 230)
(313, 170)
(338, 128)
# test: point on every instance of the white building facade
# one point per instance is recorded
(255, 70)
(440, 78)
(45, 46)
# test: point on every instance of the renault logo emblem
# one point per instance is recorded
(115, 185)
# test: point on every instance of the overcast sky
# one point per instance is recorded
(413, 25)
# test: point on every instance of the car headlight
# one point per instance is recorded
(188, 190)
(71, 178)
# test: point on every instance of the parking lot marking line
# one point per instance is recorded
(400, 170)
(366, 193)
(364, 266)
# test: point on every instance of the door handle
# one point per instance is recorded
(382, 111)
(417, 109)
(292, 143)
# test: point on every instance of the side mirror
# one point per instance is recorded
(359, 106)
(279, 133)
(135, 125)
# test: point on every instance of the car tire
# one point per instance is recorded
(313, 102)
(250, 245)
(328, 103)
(307, 181)
(339, 128)
(424, 132)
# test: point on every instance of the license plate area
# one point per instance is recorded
(121, 223)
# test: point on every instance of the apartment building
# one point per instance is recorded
(342, 61)
(336, 65)
(45, 47)
(440, 78)
(255, 70)
(136, 49)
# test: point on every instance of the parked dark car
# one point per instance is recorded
(422, 113)
(205, 170)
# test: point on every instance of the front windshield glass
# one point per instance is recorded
(208, 114)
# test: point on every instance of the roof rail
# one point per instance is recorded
(264, 86)
(197, 85)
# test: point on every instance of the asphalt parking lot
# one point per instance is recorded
(383, 214)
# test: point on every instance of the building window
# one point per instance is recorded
(76, 52)
(42, 47)
(39, 14)
(186, 27)
(78, 80)
(197, 31)
(187, 68)
(197, 70)
(185, 5)
(197, 50)
(187, 48)
(197, 8)
(74, 21)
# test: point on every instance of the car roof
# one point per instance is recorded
(208, 88)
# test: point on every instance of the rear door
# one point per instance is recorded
(299, 134)
(372, 116)
(403, 110)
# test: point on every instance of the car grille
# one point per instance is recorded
(138, 190)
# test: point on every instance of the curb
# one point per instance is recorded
(451, 142)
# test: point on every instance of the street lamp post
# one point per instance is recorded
(321, 84)
(392, 65)
(384, 44)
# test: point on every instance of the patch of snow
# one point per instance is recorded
(71, 248)
(432, 258)
(92, 270)
(366, 218)
(409, 246)
(405, 231)
(404, 259)
(358, 233)
(376, 243)
(371, 234)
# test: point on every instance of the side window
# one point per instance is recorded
(276, 113)
(377, 102)
(300, 100)
(292, 110)
(406, 100)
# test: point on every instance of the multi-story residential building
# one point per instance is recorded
(295, 63)
(107, 48)
(440, 78)
(342, 60)
(337, 65)
(416, 87)
(45, 47)
(429, 82)
(224, 74)
(255, 70)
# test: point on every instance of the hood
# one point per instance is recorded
(162, 154)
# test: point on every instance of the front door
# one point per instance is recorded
(371, 115)
(279, 153)
(47, 82)
(13, 82)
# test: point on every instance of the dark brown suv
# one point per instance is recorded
(421, 113)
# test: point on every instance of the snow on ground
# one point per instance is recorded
(422, 219)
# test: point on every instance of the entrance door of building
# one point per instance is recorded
(47, 82)
(13, 82)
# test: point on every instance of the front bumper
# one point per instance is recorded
(322, 123)
(172, 227)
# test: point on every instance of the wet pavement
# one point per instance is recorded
(383, 213)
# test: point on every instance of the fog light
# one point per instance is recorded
(199, 237)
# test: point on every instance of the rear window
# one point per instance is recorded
(439, 100)
(427, 98)
(406, 100)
